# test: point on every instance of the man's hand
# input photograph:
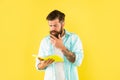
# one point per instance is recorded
(57, 42)
(43, 64)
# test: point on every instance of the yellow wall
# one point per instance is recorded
(23, 25)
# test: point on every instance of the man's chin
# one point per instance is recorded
(56, 35)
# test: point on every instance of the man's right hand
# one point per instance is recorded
(44, 63)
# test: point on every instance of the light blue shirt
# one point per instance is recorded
(73, 43)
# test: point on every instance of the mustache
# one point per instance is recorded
(54, 32)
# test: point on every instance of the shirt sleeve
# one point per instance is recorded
(40, 54)
(77, 50)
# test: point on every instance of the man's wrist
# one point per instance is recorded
(65, 51)
(69, 55)
(63, 48)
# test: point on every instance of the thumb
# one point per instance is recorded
(59, 36)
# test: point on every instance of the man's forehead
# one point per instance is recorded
(53, 21)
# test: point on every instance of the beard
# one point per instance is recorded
(56, 33)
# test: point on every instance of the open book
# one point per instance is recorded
(56, 57)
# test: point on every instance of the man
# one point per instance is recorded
(63, 43)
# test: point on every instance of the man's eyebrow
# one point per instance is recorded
(53, 25)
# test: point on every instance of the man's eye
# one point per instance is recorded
(55, 25)
(50, 25)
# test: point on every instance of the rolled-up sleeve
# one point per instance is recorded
(40, 54)
(77, 50)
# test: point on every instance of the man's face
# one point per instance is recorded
(56, 27)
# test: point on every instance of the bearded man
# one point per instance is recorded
(63, 43)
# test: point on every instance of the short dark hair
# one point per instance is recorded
(56, 14)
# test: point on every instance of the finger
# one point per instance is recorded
(59, 36)
(40, 59)
(52, 39)
(50, 61)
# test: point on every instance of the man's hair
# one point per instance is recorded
(56, 14)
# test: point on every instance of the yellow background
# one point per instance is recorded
(23, 25)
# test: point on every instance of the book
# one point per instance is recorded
(55, 57)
